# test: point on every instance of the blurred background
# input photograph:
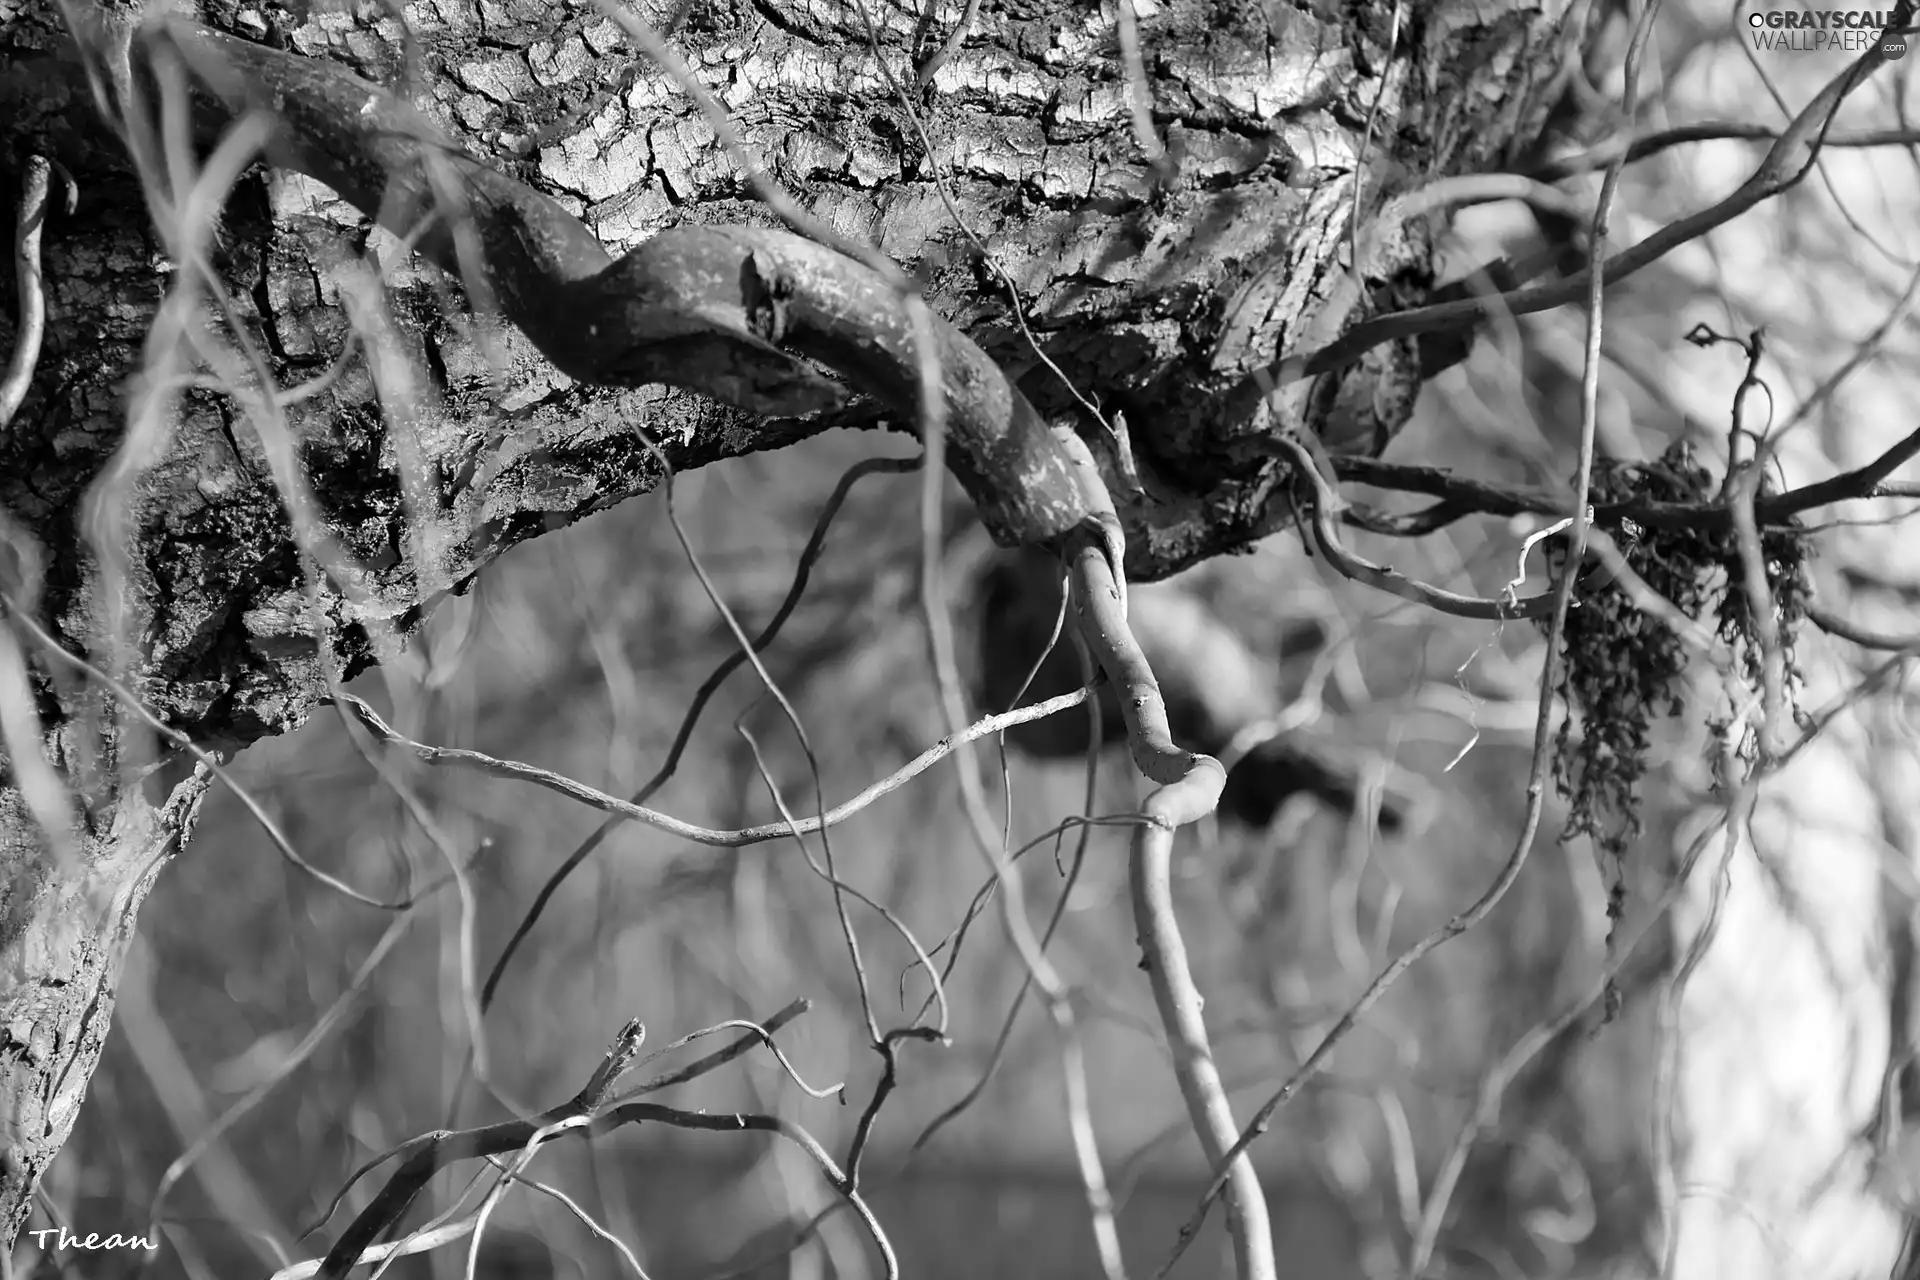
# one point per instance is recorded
(581, 654)
(1774, 1137)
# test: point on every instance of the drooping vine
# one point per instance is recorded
(1625, 668)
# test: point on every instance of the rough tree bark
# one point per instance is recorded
(1157, 290)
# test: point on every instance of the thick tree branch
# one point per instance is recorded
(226, 647)
(739, 313)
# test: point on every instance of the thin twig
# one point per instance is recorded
(1070, 881)
(1760, 606)
(1835, 625)
(745, 647)
(1562, 598)
(580, 1215)
(1462, 496)
(842, 889)
(1649, 144)
(1326, 538)
(337, 1015)
(594, 798)
(419, 1242)
(1139, 87)
(1054, 993)
(1787, 163)
(760, 1033)
(1188, 790)
(23, 737)
(1863, 352)
(956, 940)
(31, 321)
(1494, 1083)
(53, 648)
(802, 575)
(925, 73)
(1738, 819)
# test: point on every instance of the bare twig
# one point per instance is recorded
(1835, 625)
(758, 1033)
(1069, 882)
(336, 1015)
(603, 1077)
(1462, 496)
(1188, 790)
(1760, 605)
(1494, 1083)
(746, 648)
(802, 575)
(842, 889)
(597, 799)
(1649, 144)
(924, 74)
(1738, 819)
(1861, 482)
(22, 735)
(587, 1115)
(1562, 600)
(1139, 87)
(54, 649)
(417, 1243)
(1862, 352)
(1321, 506)
(30, 324)
(581, 1216)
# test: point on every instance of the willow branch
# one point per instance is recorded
(595, 798)
(747, 315)
(1461, 496)
(1650, 144)
(1189, 789)
(1320, 506)
(31, 321)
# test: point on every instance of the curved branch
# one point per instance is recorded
(1320, 519)
(30, 324)
(1189, 789)
(1861, 482)
(588, 1114)
(1649, 144)
(1463, 496)
(594, 798)
(743, 314)
(1845, 629)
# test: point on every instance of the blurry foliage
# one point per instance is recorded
(1623, 666)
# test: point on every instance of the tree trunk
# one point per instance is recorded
(1156, 290)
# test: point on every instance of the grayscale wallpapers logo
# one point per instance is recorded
(1851, 31)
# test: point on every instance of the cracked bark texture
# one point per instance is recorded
(1155, 295)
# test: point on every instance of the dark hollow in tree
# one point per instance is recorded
(1017, 601)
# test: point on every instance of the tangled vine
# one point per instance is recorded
(1623, 666)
